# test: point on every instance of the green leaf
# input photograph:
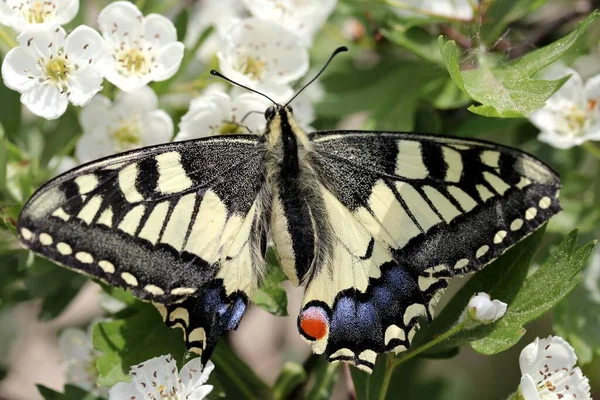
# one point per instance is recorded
(129, 341)
(60, 136)
(181, 23)
(239, 381)
(501, 13)
(417, 40)
(291, 377)
(369, 386)
(325, 378)
(555, 279)
(577, 318)
(71, 393)
(510, 91)
(10, 117)
(271, 296)
(56, 286)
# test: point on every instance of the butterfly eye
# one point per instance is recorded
(269, 113)
(290, 109)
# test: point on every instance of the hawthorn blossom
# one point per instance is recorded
(217, 113)
(157, 378)
(549, 372)
(485, 310)
(142, 49)
(80, 359)
(571, 116)
(132, 121)
(37, 14)
(453, 9)
(302, 17)
(263, 55)
(51, 69)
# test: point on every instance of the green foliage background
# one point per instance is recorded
(428, 74)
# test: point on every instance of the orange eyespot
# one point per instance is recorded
(314, 323)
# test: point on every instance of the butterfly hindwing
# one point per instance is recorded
(408, 212)
(177, 224)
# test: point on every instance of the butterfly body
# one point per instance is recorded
(372, 224)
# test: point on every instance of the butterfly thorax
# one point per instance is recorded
(299, 227)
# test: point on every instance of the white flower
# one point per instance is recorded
(302, 17)
(158, 379)
(142, 49)
(37, 14)
(549, 372)
(80, 359)
(132, 121)
(263, 55)
(51, 70)
(571, 116)
(61, 164)
(215, 112)
(219, 14)
(485, 310)
(454, 9)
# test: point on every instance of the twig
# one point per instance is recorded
(458, 37)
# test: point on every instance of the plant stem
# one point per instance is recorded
(592, 149)
(7, 39)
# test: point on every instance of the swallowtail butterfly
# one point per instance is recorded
(372, 224)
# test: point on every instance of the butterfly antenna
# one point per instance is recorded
(335, 53)
(220, 75)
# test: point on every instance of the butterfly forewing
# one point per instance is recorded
(408, 212)
(166, 222)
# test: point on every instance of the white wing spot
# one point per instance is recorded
(153, 289)
(441, 203)
(545, 202)
(498, 184)
(462, 263)
(491, 158)
(484, 193)
(129, 279)
(531, 213)
(394, 332)
(455, 164)
(343, 352)
(412, 311)
(60, 213)
(198, 335)
(409, 162)
(516, 224)
(106, 218)
(83, 257)
(523, 183)
(182, 291)
(179, 221)
(155, 222)
(89, 211)
(171, 175)
(107, 266)
(180, 313)
(499, 237)
(86, 183)
(132, 219)
(368, 356)
(27, 234)
(127, 177)
(425, 282)
(46, 239)
(482, 251)
(465, 201)
(64, 249)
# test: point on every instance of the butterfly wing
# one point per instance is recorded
(409, 211)
(177, 224)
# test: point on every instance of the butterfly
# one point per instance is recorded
(372, 224)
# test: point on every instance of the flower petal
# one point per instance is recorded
(158, 128)
(94, 144)
(168, 61)
(95, 113)
(124, 390)
(121, 22)
(85, 46)
(159, 30)
(156, 377)
(66, 10)
(45, 101)
(528, 388)
(140, 101)
(193, 375)
(83, 85)
(559, 141)
(592, 90)
(252, 55)
(551, 353)
(127, 83)
(18, 69)
(248, 109)
(43, 42)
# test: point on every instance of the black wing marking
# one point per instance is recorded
(440, 207)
